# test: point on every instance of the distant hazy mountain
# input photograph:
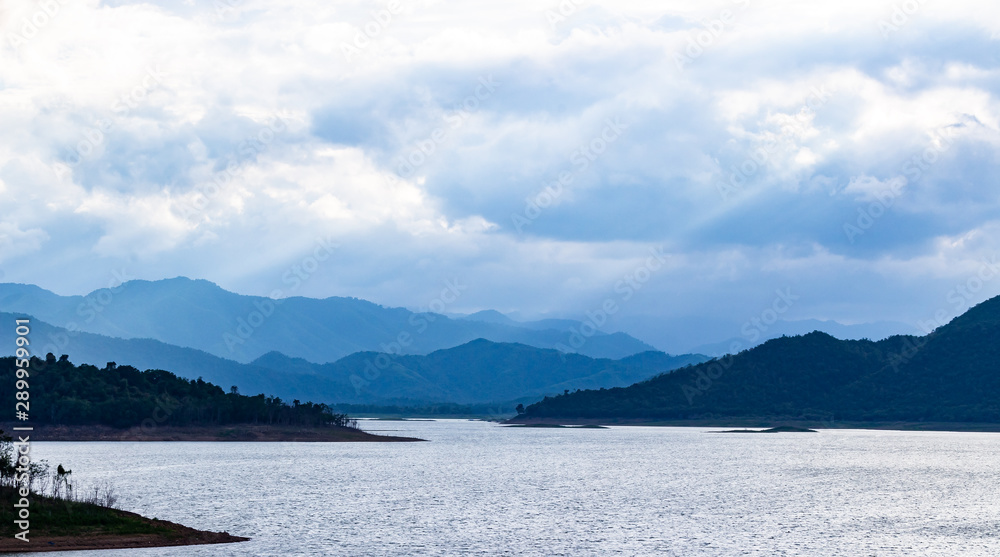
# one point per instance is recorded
(952, 374)
(98, 350)
(494, 316)
(478, 371)
(676, 334)
(199, 314)
(871, 331)
(489, 316)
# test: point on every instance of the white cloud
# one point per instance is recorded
(178, 92)
(15, 242)
(867, 188)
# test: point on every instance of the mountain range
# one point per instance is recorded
(754, 336)
(949, 375)
(479, 371)
(199, 314)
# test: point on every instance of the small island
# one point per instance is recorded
(779, 429)
(558, 426)
(121, 403)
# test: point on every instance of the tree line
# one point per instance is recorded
(121, 396)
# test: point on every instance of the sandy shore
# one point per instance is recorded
(246, 432)
(766, 423)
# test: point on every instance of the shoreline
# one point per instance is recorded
(179, 535)
(769, 423)
(63, 525)
(235, 433)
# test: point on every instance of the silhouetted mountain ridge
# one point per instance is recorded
(952, 374)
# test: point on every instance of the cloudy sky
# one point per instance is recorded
(686, 160)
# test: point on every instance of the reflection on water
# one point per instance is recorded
(481, 489)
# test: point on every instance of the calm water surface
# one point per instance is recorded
(481, 489)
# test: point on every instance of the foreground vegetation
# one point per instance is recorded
(58, 516)
(62, 516)
(64, 525)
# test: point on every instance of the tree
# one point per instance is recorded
(8, 460)
(520, 409)
(122, 396)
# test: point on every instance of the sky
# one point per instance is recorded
(672, 169)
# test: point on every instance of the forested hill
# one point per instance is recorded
(478, 372)
(951, 375)
(122, 396)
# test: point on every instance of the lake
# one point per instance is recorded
(481, 489)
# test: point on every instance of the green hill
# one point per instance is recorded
(950, 375)
(476, 372)
(122, 396)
